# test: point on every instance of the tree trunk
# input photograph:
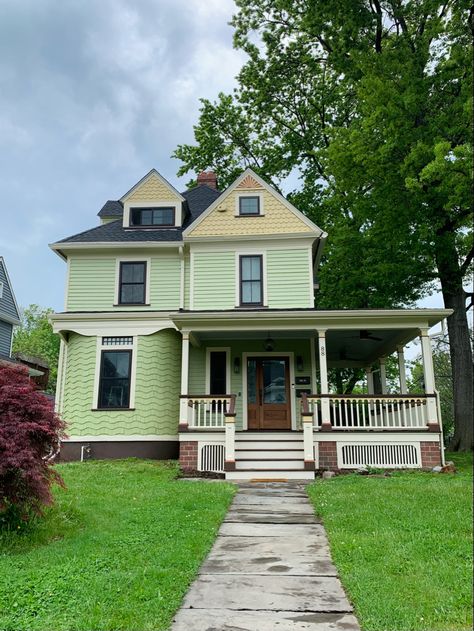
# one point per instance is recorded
(459, 342)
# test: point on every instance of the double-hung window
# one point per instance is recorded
(115, 375)
(251, 280)
(132, 283)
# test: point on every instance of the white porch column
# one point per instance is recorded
(183, 403)
(370, 380)
(428, 373)
(324, 387)
(402, 370)
(383, 375)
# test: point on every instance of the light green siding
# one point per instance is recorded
(214, 280)
(92, 283)
(187, 280)
(156, 394)
(289, 279)
(197, 366)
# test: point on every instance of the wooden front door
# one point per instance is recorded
(268, 393)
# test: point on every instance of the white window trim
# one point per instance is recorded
(258, 194)
(209, 350)
(155, 203)
(133, 370)
(132, 259)
(291, 362)
(250, 252)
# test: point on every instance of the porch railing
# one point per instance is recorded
(208, 411)
(363, 412)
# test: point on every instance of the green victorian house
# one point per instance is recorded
(190, 330)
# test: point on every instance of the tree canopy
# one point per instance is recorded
(368, 103)
(35, 337)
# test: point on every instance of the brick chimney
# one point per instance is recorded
(209, 178)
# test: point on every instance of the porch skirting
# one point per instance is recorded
(112, 449)
(259, 453)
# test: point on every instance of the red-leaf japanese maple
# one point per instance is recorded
(29, 435)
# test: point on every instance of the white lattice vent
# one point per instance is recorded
(211, 458)
(390, 455)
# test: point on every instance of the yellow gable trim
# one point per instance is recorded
(249, 182)
(153, 188)
(276, 219)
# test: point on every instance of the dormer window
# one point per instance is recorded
(249, 205)
(153, 216)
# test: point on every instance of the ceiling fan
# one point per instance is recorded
(367, 335)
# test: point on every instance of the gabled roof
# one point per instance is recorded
(152, 173)
(270, 189)
(196, 199)
(9, 310)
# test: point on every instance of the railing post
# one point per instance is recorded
(323, 372)
(229, 464)
(308, 436)
(428, 373)
(183, 404)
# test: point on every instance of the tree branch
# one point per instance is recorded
(467, 261)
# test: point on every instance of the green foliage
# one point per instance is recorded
(35, 337)
(444, 384)
(404, 549)
(116, 552)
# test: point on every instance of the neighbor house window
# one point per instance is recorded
(163, 216)
(251, 285)
(132, 283)
(114, 384)
(249, 205)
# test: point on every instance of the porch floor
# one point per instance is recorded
(270, 566)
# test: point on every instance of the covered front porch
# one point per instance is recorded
(256, 393)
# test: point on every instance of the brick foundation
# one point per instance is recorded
(430, 454)
(188, 455)
(327, 455)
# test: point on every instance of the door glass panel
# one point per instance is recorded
(274, 381)
(252, 381)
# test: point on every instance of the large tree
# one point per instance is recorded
(368, 102)
(35, 337)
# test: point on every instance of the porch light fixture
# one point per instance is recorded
(299, 363)
(236, 365)
(269, 344)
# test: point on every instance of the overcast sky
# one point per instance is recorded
(93, 94)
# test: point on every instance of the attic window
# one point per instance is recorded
(249, 205)
(162, 216)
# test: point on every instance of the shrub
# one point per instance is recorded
(29, 436)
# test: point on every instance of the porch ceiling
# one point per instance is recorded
(347, 348)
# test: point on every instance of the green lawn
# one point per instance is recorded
(403, 546)
(118, 550)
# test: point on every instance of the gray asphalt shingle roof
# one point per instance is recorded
(197, 200)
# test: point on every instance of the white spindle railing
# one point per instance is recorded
(207, 411)
(381, 412)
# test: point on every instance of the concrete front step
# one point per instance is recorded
(268, 436)
(271, 475)
(271, 454)
(269, 463)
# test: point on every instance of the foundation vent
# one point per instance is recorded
(212, 458)
(389, 455)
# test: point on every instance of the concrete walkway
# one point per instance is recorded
(270, 569)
